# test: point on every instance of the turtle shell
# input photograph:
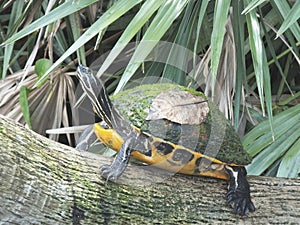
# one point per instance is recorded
(183, 117)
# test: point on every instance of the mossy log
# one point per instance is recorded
(44, 182)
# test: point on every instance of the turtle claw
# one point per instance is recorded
(240, 204)
(238, 195)
(113, 171)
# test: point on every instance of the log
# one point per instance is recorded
(44, 182)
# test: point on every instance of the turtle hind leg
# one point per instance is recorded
(114, 171)
(238, 195)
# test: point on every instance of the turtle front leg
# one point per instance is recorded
(238, 195)
(114, 171)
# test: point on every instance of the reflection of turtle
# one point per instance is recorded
(172, 127)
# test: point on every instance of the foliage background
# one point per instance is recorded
(249, 53)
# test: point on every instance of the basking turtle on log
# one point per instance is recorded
(171, 127)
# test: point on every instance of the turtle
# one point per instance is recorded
(173, 127)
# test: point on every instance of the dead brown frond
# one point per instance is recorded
(225, 81)
(51, 105)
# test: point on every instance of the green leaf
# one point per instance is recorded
(262, 135)
(284, 9)
(281, 123)
(202, 13)
(238, 23)
(59, 12)
(259, 143)
(139, 20)
(23, 99)
(15, 18)
(8, 49)
(179, 55)
(291, 18)
(155, 31)
(272, 51)
(74, 18)
(252, 5)
(112, 14)
(256, 46)
(290, 164)
(260, 64)
(41, 66)
(217, 36)
(273, 152)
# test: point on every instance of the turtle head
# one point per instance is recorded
(91, 85)
(96, 92)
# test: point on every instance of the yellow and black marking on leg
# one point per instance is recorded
(167, 155)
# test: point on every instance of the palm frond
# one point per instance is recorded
(47, 104)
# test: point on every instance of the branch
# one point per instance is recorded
(44, 182)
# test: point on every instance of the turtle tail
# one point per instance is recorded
(97, 93)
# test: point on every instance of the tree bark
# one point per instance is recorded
(44, 182)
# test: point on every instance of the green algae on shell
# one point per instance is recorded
(214, 136)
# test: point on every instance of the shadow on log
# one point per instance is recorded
(44, 182)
